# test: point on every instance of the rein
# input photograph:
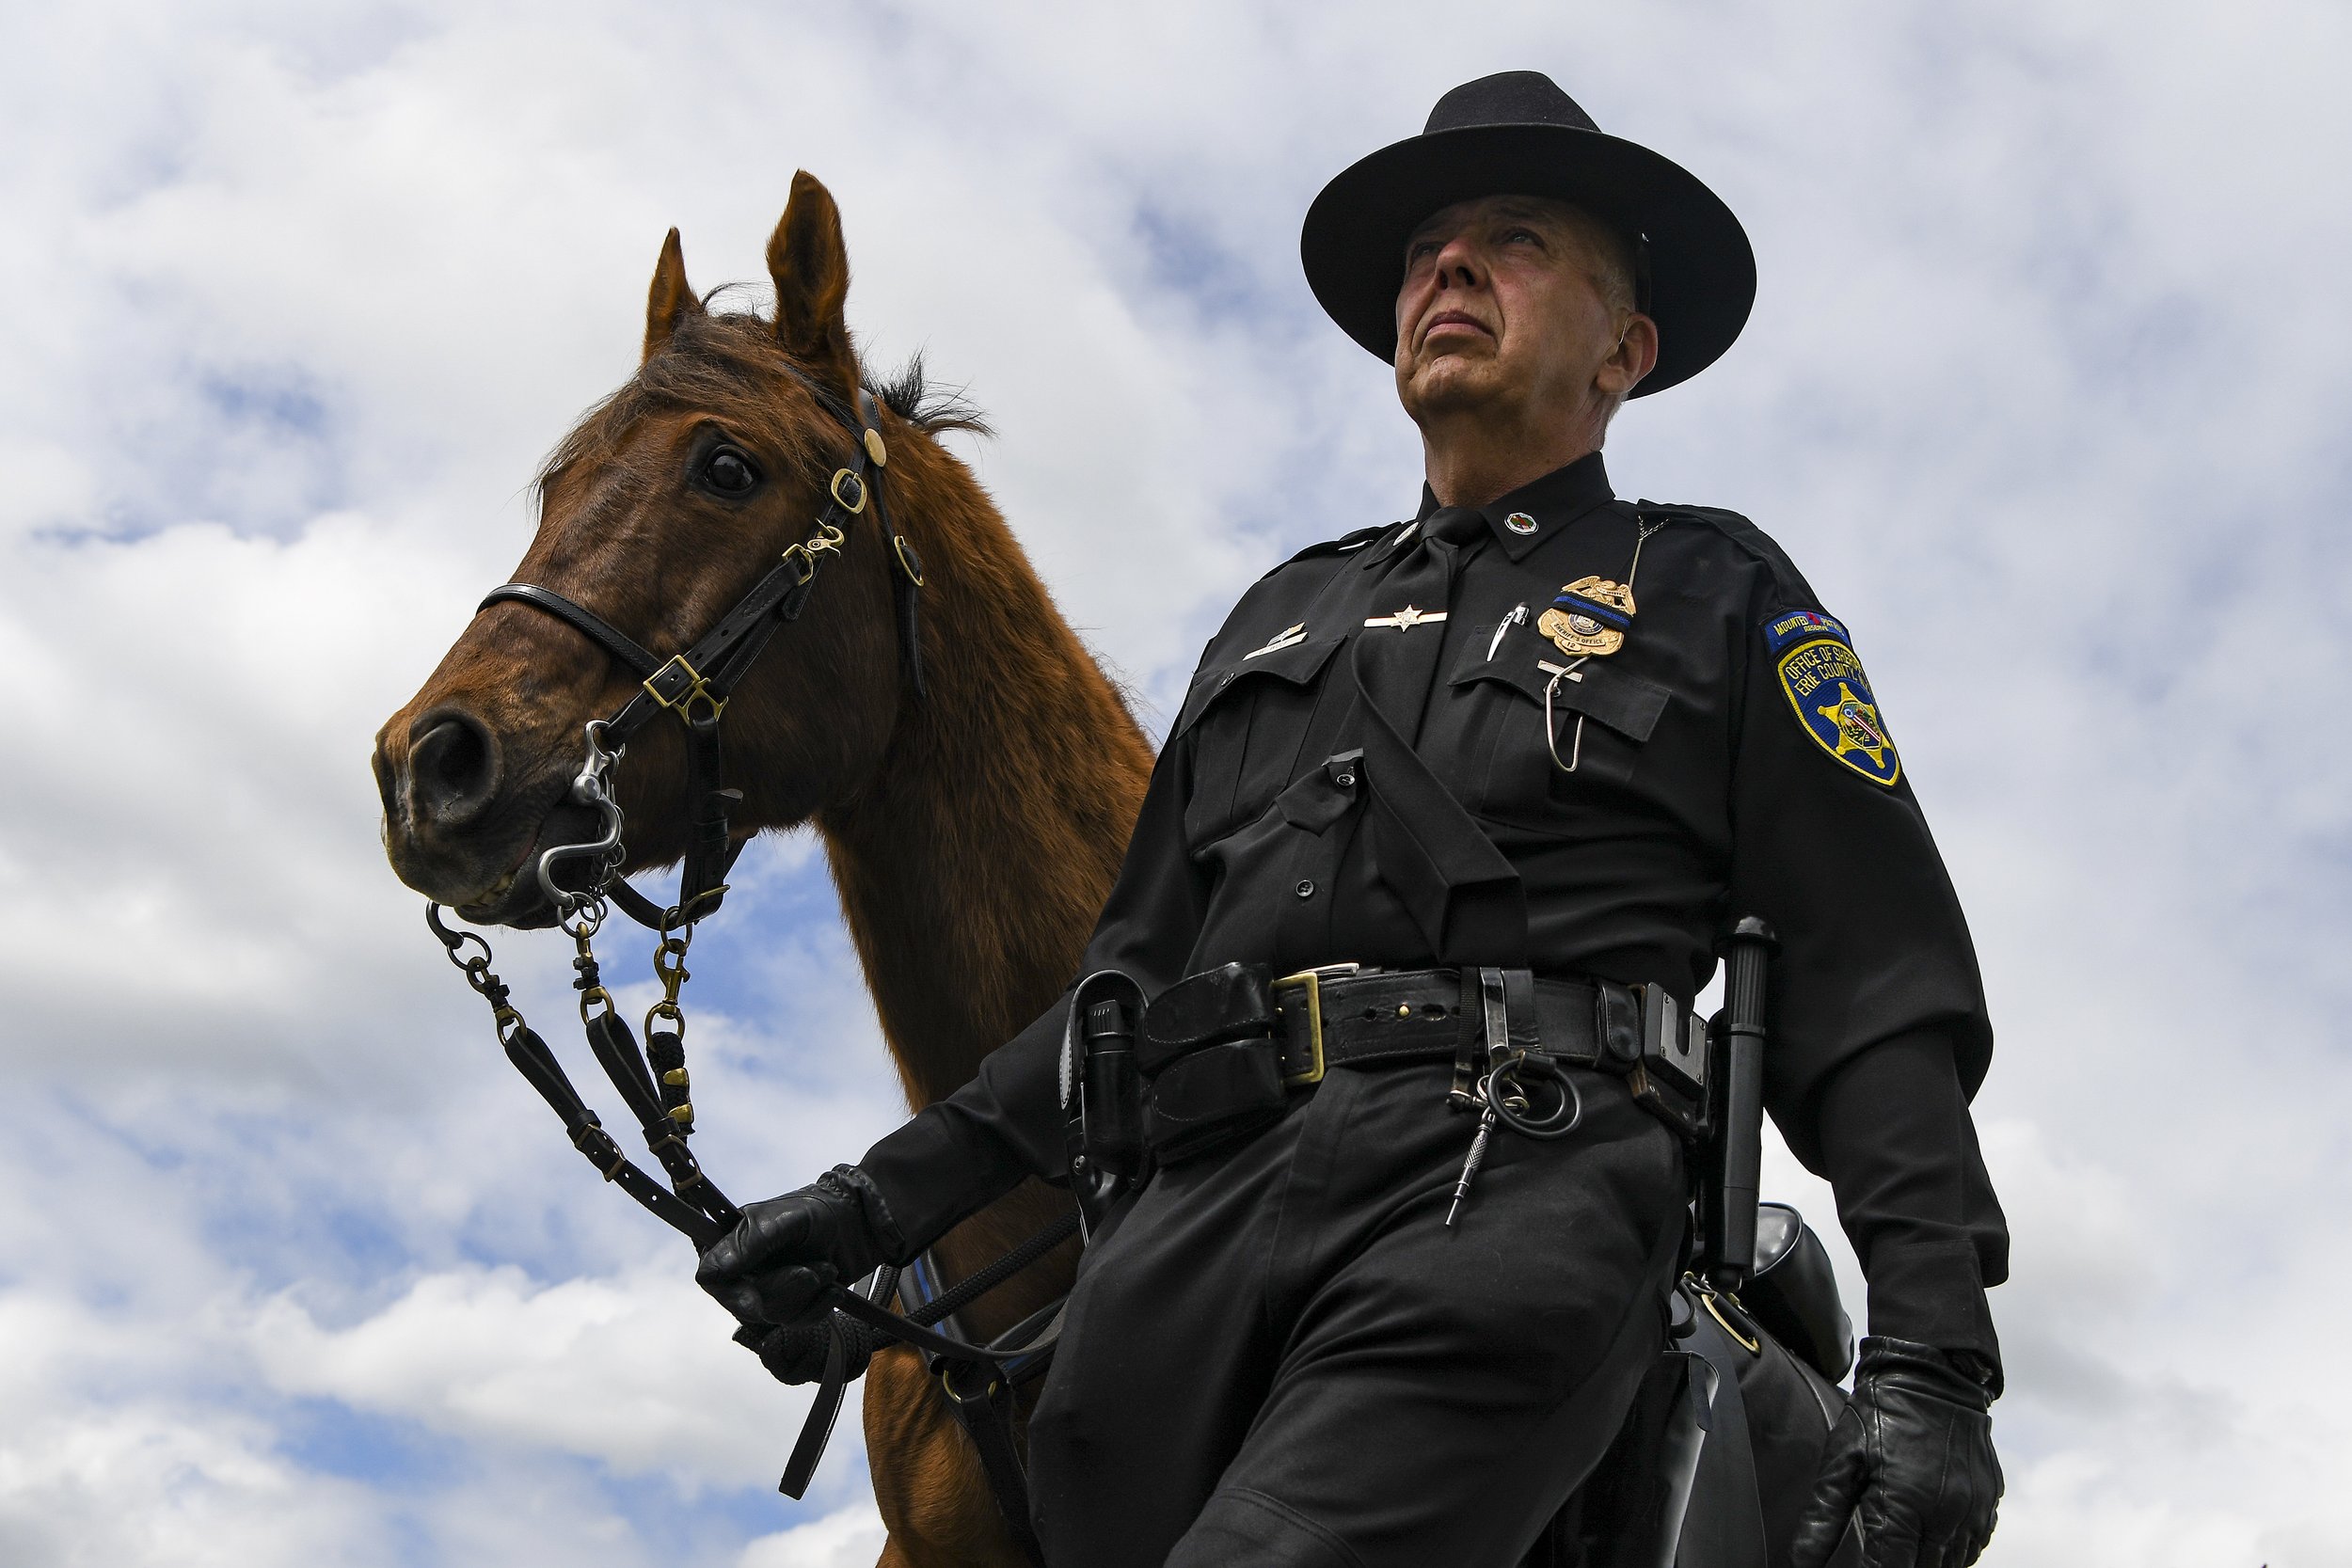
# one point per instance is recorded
(695, 686)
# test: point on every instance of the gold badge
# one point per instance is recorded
(1589, 618)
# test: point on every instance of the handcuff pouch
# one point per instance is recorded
(1671, 1080)
(1207, 1049)
(1229, 1002)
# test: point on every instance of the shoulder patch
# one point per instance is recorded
(1798, 624)
(1829, 693)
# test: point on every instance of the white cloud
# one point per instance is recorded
(635, 1372)
(104, 1473)
(2045, 390)
(847, 1539)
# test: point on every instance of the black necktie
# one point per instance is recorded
(1401, 644)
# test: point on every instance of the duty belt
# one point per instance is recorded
(1343, 1016)
(1224, 1049)
(1222, 1052)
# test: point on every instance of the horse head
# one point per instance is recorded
(661, 508)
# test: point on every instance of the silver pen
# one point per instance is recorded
(1519, 614)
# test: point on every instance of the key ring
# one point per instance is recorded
(1512, 1103)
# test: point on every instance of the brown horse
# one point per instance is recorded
(973, 833)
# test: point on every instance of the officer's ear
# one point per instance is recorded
(810, 266)
(1634, 357)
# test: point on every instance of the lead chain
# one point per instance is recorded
(665, 1028)
(504, 1016)
(587, 979)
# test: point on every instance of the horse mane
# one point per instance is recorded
(931, 410)
(731, 359)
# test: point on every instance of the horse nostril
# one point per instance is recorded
(452, 771)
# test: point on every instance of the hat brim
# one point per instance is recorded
(1702, 268)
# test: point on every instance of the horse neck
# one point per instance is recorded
(973, 866)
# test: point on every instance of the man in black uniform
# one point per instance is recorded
(1510, 759)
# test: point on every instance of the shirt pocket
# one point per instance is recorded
(1518, 774)
(1249, 716)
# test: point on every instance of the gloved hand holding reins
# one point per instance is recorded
(776, 1267)
(1911, 1462)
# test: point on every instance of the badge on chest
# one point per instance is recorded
(1590, 617)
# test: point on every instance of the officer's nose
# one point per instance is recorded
(1457, 264)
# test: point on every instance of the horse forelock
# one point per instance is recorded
(728, 365)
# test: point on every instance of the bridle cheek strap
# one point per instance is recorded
(906, 601)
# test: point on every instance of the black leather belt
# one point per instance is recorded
(1343, 1016)
(1223, 1051)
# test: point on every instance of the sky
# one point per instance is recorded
(2046, 390)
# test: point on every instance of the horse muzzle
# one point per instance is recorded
(456, 828)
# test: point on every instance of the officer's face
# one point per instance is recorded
(1505, 306)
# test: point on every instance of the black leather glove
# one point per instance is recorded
(1911, 1462)
(795, 1354)
(775, 1266)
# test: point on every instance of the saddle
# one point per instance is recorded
(1719, 1453)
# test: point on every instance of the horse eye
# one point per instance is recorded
(728, 473)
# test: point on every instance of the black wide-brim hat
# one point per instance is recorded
(1517, 133)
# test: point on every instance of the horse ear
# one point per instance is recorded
(810, 267)
(670, 301)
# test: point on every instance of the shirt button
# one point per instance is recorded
(1305, 889)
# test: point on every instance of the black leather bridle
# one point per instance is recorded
(696, 684)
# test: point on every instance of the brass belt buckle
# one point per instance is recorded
(1308, 983)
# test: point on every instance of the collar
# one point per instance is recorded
(1550, 503)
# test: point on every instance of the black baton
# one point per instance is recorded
(1731, 1229)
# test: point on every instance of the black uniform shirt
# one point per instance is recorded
(1727, 759)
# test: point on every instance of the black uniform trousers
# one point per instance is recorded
(1281, 1355)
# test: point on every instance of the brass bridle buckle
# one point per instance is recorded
(678, 686)
(857, 489)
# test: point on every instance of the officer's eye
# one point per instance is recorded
(1523, 236)
(1420, 251)
(727, 472)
